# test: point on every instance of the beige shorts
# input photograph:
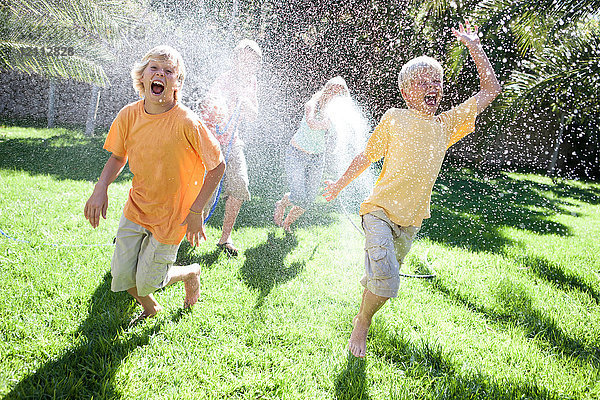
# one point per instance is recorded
(235, 181)
(386, 246)
(140, 260)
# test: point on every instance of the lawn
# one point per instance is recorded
(513, 313)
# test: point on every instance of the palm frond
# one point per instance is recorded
(566, 77)
(91, 30)
(34, 60)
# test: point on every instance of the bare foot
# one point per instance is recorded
(358, 338)
(192, 287)
(279, 212)
(145, 314)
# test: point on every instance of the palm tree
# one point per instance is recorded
(559, 45)
(63, 39)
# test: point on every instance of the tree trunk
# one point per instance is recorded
(559, 140)
(92, 110)
(51, 112)
(233, 17)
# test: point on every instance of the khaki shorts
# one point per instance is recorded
(140, 260)
(235, 181)
(386, 246)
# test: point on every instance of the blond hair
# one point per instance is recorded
(418, 65)
(158, 53)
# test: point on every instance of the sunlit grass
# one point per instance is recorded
(513, 312)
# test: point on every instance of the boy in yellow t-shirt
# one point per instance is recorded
(169, 151)
(413, 143)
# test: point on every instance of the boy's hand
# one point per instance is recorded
(332, 189)
(96, 205)
(467, 35)
(195, 228)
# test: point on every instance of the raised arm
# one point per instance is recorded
(358, 165)
(310, 111)
(489, 87)
(97, 204)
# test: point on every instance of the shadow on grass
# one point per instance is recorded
(544, 269)
(87, 370)
(264, 267)
(469, 210)
(431, 366)
(515, 305)
(187, 255)
(350, 383)
(64, 156)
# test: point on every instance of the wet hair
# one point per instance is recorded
(336, 81)
(158, 53)
(248, 44)
(418, 65)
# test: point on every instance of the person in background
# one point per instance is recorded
(305, 155)
(238, 88)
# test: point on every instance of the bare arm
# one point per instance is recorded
(358, 165)
(489, 87)
(249, 108)
(310, 116)
(195, 219)
(97, 204)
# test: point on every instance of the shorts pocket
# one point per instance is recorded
(165, 258)
(378, 262)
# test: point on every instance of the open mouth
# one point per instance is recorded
(431, 99)
(157, 87)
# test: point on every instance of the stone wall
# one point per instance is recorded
(26, 96)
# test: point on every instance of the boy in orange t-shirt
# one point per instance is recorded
(169, 151)
(413, 143)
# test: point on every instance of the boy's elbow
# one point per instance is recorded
(497, 90)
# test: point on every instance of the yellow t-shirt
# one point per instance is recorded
(414, 146)
(168, 154)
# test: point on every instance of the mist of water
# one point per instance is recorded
(351, 127)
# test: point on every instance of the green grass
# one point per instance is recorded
(513, 314)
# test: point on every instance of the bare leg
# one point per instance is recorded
(232, 209)
(370, 304)
(280, 207)
(149, 303)
(292, 216)
(190, 275)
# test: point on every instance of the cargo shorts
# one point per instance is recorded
(140, 260)
(386, 246)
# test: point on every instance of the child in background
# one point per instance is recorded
(238, 87)
(306, 153)
(169, 151)
(413, 143)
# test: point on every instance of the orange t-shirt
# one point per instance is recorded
(414, 146)
(168, 154)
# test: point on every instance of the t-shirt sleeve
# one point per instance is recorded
(206, 145)
(115, 140)
(460, 120)
(378, 142)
